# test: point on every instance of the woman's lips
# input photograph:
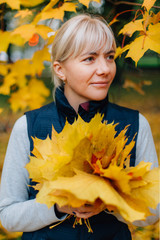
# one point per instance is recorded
(100, 84)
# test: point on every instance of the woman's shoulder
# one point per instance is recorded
(19, 131)
(144, 127)
(143, 121)
(122, 108)
(122, 114)
(21, 123)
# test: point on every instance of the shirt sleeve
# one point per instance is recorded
(145, 148)
(17, 213)
(145, 151)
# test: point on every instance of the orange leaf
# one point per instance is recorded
(34, 40)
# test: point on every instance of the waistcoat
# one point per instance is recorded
(40, 121)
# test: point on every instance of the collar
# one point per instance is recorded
(86, 110)
(85, 106)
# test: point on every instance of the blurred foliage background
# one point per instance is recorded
(134, 87)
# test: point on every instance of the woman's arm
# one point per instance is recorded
(145, 151)
(17, 213)
(145, 148)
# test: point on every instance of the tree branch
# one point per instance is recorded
(128, 3)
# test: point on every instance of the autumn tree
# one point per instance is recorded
(33, 28)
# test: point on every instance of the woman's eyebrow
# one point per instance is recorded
(95, 53)
(111, 51)
(89, 53)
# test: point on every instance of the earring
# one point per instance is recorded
(63, 80)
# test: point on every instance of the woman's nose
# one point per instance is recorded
(102, 67)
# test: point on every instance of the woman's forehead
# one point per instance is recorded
(95, 49)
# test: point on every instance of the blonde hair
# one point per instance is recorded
(77, 34)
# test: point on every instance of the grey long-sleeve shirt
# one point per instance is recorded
(17, 213)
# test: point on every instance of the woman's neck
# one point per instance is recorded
(74, 100)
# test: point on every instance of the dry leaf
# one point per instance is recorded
(77, 166)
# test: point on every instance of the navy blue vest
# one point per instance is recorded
(105, 226)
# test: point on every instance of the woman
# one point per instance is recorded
(83, 69)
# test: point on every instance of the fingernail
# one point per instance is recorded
(73, 212)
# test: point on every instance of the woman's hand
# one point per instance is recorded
(85, 211)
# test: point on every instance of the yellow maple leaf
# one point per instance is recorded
(17, 74)
(4, 36)
(148, 34)
(38, 93)
(7, 38)
(86, 2)
(36, 64)
(136, 49)
(150, 190)
(43, 31)
(115, 173)
(132, 27)
(155, 18)
(34, 3)
(154, 34)
(13, 4)
(18, 68)
(57, 13)
(90, 188)
(33, 96)
(120, 50)
(33, 66)
(51, 38)
(67, 158)
(19, 100)
(51, 4)
(4, 68)
(97, 166)
(148, 4)
(148, 41)
(8, 81)
(28, 30)
(17, 40)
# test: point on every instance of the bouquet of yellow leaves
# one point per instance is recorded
(88, 161)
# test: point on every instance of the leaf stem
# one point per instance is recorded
(1, 17)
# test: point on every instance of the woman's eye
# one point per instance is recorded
(89, 59)
(110, 57)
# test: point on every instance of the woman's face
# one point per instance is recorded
(88, 76)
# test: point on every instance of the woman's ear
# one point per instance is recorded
(59, 70)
